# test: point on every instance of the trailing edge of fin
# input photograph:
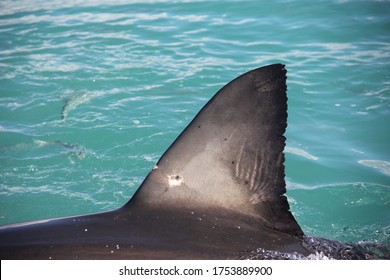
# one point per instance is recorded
(231, 155)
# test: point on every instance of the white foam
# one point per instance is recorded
(300, 152)
(381, 165)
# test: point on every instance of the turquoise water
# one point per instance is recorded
(93, 92)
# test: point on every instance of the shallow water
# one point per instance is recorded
(93, 92)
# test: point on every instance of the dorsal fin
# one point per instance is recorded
(230, 156)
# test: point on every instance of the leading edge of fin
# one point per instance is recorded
(230, 156)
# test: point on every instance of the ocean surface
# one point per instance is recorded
(93, 92)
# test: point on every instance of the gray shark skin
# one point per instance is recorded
(216, 193)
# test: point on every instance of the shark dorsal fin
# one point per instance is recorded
(230, 156)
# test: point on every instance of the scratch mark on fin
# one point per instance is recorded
(254, 171)
(241, 151)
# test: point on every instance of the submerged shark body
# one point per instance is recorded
(216, 193)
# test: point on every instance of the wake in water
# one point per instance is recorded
(73, 103)
(74, 151)
(324, 249)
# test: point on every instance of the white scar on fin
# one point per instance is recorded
(174, 181)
